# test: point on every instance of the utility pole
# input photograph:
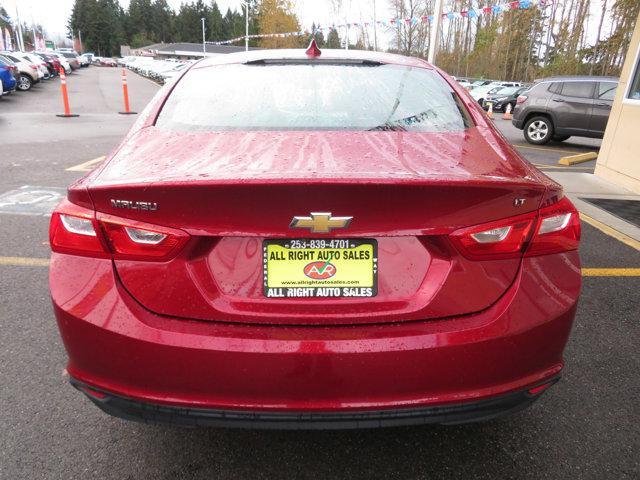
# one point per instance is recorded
(20, 39)
(204, 49)
(435, 32)
(80, 39)
(346, 36)
(375, 27)
(246, 26)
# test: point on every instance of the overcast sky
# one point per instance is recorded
(53, 14)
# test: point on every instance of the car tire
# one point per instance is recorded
(24, 83)
(538, 130)
(560, 138)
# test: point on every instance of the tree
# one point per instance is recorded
(318, 36)
(276, 16)
(333, 39)
(101, 23)
(215, 25)
(188, 24)
(140, 19)
(162, 24)
(410, 38)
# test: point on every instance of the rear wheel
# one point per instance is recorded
(560, 138)
(24, 83)
(538, 130)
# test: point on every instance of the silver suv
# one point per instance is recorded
(557, 108)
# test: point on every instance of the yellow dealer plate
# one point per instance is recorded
(320, 268)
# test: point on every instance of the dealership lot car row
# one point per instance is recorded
(21, 70)
(160, 71)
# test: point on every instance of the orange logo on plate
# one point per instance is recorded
(320, 270)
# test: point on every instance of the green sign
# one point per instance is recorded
(49, 44)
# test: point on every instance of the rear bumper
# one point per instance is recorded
(146, 361)
(518, 122)
(151, 413)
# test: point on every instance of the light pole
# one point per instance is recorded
(246, 26)
(204, 50)
(435, 32)
(375, 27)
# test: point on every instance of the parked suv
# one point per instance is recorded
(7, 78)
(29, 73)
(560, 107)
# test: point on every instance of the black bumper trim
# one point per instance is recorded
(449, 414)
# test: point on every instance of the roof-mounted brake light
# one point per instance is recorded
(313, 51)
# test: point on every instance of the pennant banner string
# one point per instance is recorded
(398, 22)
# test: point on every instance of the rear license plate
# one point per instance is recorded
(320, 268)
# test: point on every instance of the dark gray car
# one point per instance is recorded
(557, 108)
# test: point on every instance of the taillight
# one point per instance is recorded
(33, 67)
(521, 99)
(129, 239)
(74, 230)
(557, 229)
(552, 229)
(77, 230)
(495, 240)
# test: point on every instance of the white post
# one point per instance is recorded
(375, 27)
(20, 39)
(346, 36)
(434, 38)
(246, 26)
(204, 50)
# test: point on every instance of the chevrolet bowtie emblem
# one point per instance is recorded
(320, 222)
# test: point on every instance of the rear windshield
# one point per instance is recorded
(313, 97)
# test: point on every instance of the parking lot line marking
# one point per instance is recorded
(24, 261)
(86, 166)
(546, 149)
(611, 272)
(627, 240)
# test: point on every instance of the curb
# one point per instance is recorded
(580, 158)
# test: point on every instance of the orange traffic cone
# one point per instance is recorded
(490, 111)
(65, 97)
(507, 113)
(125, 94)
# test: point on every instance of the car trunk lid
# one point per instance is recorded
(233, 191)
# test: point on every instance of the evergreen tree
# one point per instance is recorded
(188, 23)
(215, 27)
(101, 23)
(333, 39)
(162, 21)
(318, 36)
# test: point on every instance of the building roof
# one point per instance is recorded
(182, 48)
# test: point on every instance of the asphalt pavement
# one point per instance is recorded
(587, 426)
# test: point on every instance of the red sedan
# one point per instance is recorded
(306, 239)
